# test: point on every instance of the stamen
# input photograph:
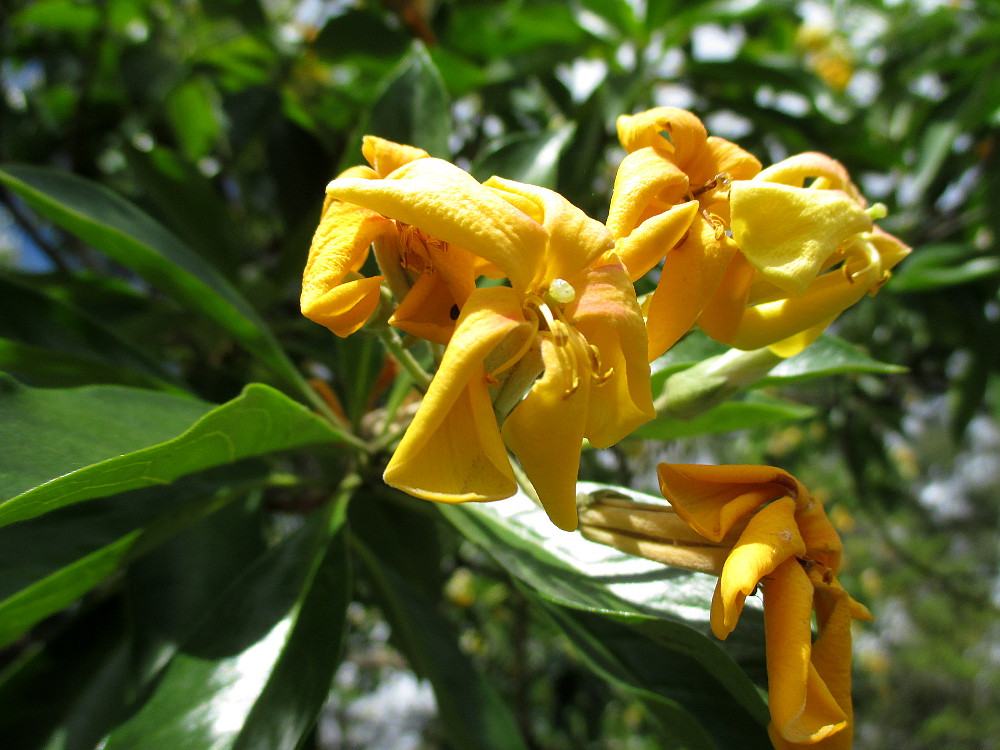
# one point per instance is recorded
(877, 211)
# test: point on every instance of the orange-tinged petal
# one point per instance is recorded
(607, 313)
(669, 129)
(643, 176)
(788, 233)
(722, 157)
(429, 310)
(713, 499)
(575, 240)
(339, 247)
(722, 315)
(450, 205)
(691, 273)
(452, 452)
(545, 431)
(387, 156)
(803, 708)
(770, 538)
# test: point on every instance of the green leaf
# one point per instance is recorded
(258, 668)
(670, 605)
(943, 265)
(829, 355)
(472, 712)
(755, 410)
(193, 110)
(66, 446)
(66, 554)
(127, 235)
(532, 158)
(413, 105)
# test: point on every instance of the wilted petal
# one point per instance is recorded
(770, 538)
(452, 452)
(803, 708)
(340, 246)
(450, 205)
(788, 233)
(607, 313)
(691, 273)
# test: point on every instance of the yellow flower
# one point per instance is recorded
(808, 251)
(565, 332)
(756, 258)
(670, 203)
(784, 544)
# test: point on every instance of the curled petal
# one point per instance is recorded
(452, 452)
(803, 707)
(654, 238)
(448, 204)
(575, 240)
(713, 499)
(339, 247)
(644, 176)
(669, 129)
(825, 173)
(607, 313)
(722, 157)
(788, 233)
(691, 273)
(770, 538)
(545, 431)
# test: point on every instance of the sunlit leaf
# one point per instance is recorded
(756, 410)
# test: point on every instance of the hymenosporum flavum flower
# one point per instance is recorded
(757, 526)
(555, 355)
(756, 258)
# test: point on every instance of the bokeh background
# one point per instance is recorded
(225, 119)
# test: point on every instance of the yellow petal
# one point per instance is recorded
(452, 452)
(823, 172)
(450, 205)
(691, 273)
(721, 157)
(386, 156)
(654, 238)
(607, 313)
(787, 233)
(713, 499)
(770, 538)
(575, 240)
(797, 343)
(545, 431)
(722, 315)
(429, 310)
(669, 129)
(643, 176)
(340, 246)
(803, 709)
(827, 297)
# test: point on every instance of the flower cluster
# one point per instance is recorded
(546, 345)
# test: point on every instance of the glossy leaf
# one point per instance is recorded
(254, 674)
(129, 236)
(569, 571)
(828, 356)
(74, 445)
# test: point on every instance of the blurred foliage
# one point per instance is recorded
(164, 166)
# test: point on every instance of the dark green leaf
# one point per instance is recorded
(74, 445)
(413, 106)
(944, 265)
(470, 709)
(531, 158)
(828, 356)
(119, 229)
